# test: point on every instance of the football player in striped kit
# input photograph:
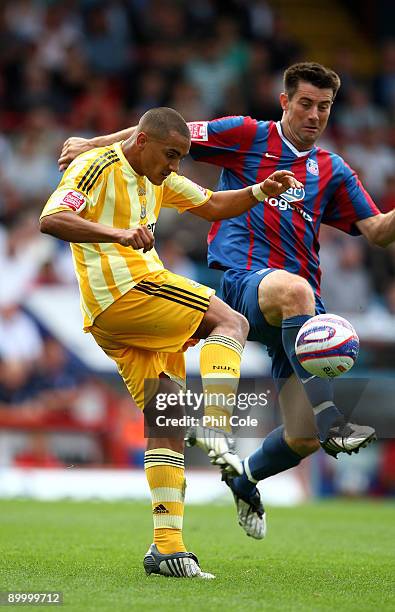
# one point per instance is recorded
(144, 316)
(270, 259)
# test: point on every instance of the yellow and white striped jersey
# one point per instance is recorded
(101, 186)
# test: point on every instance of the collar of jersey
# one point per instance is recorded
(127, 167)
(289, 144)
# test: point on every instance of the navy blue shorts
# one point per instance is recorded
(239, 289)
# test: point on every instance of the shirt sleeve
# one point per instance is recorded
(71, 193)
(65, 198)
(181, 193)
(350, 203)
(221, 141)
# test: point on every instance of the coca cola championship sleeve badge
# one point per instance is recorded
(198, 130)
(74, 200)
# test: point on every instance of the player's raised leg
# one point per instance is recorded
(287, 299)
(287, 445)
(225, 332)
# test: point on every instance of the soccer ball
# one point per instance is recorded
(327, 345)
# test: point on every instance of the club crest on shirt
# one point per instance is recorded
(312, 167)
(198, 130)
(74, 200)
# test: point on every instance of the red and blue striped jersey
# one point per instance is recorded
(283, 231)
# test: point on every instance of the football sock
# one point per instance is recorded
(220, 359)
(164, 469)
(272, 457)
(318, 390)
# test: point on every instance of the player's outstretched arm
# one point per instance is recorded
(379, 229)
(74, 146)
(232, 203)
(71, 227)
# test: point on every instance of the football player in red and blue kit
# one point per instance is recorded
(270, 259)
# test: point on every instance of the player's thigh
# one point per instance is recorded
(240, 289)
(141, 369)
(159, 314)
(296, 410)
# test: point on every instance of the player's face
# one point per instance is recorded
(161, 157)
(306, 114)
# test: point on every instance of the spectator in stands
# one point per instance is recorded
(106, 39)
(211, 76)
(373, 157)
(37, 453)
(186, 99)
(384, 84)
(174, 258)
(345, 285)
(19, 336)
(390, 297)
(358, 113)
(387, 200)
(98, 105)
(31, 170)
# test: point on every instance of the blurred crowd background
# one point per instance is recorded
(88, 67)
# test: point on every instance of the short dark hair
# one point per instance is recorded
(310, 72)
(161, 121)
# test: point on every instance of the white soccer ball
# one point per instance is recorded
(327, 345)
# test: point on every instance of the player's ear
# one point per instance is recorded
(141, 140)
(284, 101)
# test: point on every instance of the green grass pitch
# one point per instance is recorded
(321, 556)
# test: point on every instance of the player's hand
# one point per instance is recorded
(71, 148)
(138, 238)
(280, 181)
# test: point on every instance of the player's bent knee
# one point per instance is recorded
(241, 323)
(221, 318)
(235, 325)
(303, 446)
(299, 296)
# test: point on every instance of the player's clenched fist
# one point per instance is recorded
(280, 181)
(139, 238)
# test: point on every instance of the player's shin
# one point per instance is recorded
(318, 390)
(164, 469)
(272, 457)
(220, 370)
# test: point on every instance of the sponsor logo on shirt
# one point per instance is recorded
(74, 200)
(284, 202)
(198, 130)
(293, 195)
(312, 167)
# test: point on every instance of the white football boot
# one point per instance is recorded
(218, 445)
(176, 565)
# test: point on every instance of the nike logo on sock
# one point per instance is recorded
(306, 380)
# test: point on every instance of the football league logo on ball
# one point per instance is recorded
(327, 346)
